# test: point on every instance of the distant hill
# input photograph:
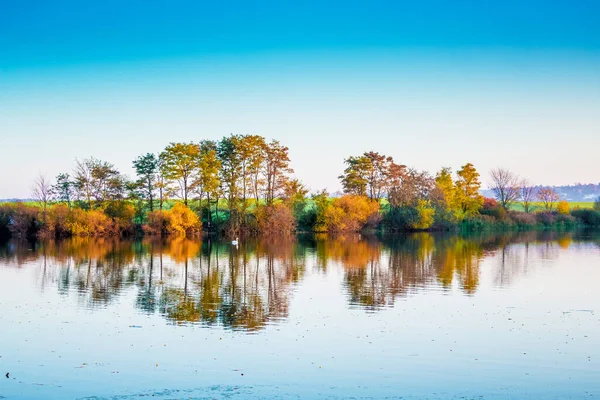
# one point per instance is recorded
(577, 192)
(15, 200)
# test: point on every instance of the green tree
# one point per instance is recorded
(355, 177)
(98, 181)
(146, 168)
(209, 182)
(179, 163)
(63, 189)
(231, 173)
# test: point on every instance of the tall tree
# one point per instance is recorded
(146, 168)
(548, 197)
(42, 192)
(179, 163)
(505, 185)
(107, 182)
(377, 174)
(527, 194)
(355, 177)
(209, 182)
(98, 181)
(83, 180)
(231, 173)
(415, 186)
(445, 183)
(252, 154)
(63, 189)
(276, 167)
(467, 190)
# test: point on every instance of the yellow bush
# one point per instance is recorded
(349, 213)
(563, 207)
(425, 215)
(122, 214)
(89, 223)
(56, 221)
(178, 220)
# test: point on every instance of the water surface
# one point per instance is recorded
(414, 317)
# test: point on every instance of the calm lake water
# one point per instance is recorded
(413, 317)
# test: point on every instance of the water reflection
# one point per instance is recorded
(214, 284)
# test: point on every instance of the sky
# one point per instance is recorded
(513, 84)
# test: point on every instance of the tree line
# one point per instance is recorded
(245, 184)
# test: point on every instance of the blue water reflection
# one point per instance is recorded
(415, 317)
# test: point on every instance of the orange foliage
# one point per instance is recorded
(563, 207)
(89, 223)
(349, 213)
(178, 220)
(276, 219)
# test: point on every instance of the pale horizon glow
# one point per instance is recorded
(532, 110)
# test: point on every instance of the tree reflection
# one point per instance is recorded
(212, 283)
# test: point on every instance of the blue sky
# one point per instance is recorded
(512, 83)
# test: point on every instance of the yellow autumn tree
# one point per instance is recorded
(467, 190)
(563, 207)
(425, 215)
(349, 213)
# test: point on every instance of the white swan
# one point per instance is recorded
(235, 242)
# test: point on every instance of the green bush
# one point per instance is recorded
(587, 217)
(478, 223)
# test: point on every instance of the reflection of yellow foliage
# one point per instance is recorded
(181, 249)
(564, 241)
(351, 251)
(461, 257)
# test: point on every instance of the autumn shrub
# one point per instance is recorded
(587, 217)
(489, 204)
(19, 220)
(496, 211)
(55, 224)
(563, 207)
(545, 218)
(180, 220)
(156, 223)
(276, 219)
(349, 213)
(122, 214)
(523, 219)
(89, 223)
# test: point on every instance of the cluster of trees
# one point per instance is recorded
(240, 183)
(416, 200)
(244, 184)
(413, 199)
